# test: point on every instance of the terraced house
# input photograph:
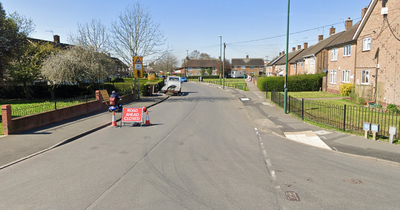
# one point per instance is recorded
(194, 67)
(377, 71)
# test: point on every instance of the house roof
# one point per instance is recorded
(247, 62)
(273, 61)
(60, 45)
(364, 20)
(346, 37)
(314, 49)
(203, 63)
(291, 55)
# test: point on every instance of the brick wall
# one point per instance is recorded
(27, 122)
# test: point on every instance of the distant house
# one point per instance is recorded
(280, 65)
(252, 66)
(314, 60)
(195, 66)
(341, 58)
(377, 68)
(270, 68)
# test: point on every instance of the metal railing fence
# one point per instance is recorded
(344, 117)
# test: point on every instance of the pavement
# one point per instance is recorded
(262, 112)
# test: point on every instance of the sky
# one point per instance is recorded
(256, 28)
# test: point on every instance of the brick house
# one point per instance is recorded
(193, 67)
(280, 65)
(377, 75)
(341, 58)
(252, 66)
(270, 68)
(314, 59)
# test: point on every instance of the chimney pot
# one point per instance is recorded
(293, 48)
(363, 12)
(56, 39)
(349, 24)
(305, 45)
(247, 56)
(331, 30)
(320, 38)
(298, 47)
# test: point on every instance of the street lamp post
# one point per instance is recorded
(220, 57)
(286, 68)
(187, 61)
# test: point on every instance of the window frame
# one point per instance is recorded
(365, 77)
(366, 45)
(346, 76)
(333, 76)
(334, 54)
(347, 50)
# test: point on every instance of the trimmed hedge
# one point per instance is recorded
(204, 77)
(296, 83)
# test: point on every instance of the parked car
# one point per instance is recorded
(183, 79)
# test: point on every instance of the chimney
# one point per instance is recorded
(305, 45)
(57, 39)
(298, 47)
(283, 52)
(363, 12)
(280, 53)
(331, 30)
(349, 24)
(320, 38)
(247, 56)
(293, 48)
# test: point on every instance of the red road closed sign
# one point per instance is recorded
(132, 115)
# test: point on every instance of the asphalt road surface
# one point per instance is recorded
(201, 152)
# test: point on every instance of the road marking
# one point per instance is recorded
(245, 99)
(307, 137)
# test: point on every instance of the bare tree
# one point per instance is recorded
(93, 35)
(166, 63)
(195, 55)
(135, 34)
(75, 65)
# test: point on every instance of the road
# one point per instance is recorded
(201, 152)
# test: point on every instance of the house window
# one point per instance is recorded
(190, 74)
(367, 44)
(301, 64)
(214, 69)
(214, 73)
(243, 67)
(197, 74)
(347, 50)
(252, 73)
(334, 54)
(311, 61)
(198, 68)
(333, 76)
(294, 66)
(235, 67)
(190, 69)
(365, 77)
(346, 76)
(252, 67)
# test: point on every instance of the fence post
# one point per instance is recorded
(289, 105)
(344, 118)
(85, 98)
(302, 109)
(266, 90)
(55, 104)
(279, 99)
(6, 115)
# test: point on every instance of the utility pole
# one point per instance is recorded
(287, 53)
(223, 69)
(220, 57)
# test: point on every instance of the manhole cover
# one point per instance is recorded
(353, 181)
(292, 196)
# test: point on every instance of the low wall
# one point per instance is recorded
(27, 122)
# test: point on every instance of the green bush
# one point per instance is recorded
(116, 79)
(296, 83)
(392, 108)
(345, 89)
